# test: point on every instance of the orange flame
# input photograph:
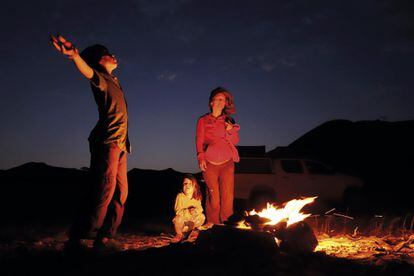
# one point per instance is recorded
(242, 225)
(290, 212)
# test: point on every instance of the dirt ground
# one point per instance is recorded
(38, 250)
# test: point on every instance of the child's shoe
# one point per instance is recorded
(193, 236)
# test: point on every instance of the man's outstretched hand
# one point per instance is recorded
(64, 46)
(68, 49)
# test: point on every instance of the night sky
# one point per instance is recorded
(291, 65)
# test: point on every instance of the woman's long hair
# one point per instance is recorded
(229, 108)
(197, 191)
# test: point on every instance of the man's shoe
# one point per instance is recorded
(107, 245)
(75, 247)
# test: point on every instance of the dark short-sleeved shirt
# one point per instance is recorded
(112, 126)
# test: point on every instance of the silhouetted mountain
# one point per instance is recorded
(152, 193)
(37, 191)
(382, 153)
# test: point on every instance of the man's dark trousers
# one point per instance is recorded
(103, 208)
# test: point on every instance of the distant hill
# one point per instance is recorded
(37, 191)
(381, 152)
(152, 192)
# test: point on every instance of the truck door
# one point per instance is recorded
(323, 181)
(292, 179)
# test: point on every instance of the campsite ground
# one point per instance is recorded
(37, 249)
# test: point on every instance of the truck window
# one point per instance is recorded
(291, 166)
(318, 168)
(254, 165)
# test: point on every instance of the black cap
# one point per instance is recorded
(93, 54)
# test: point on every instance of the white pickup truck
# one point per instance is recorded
(260, 179)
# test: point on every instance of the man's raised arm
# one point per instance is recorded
(68, 49)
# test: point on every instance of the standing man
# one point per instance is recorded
(101, 213)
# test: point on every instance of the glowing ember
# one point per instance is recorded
(242, 225)
(368, 248)
(277, 241)
(289, 213)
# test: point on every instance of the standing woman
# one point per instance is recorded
(217, 135)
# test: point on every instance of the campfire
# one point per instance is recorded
(286, 224)
(270, 229)
(284, 228)
(273, 215)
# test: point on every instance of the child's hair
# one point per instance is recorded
(93, 54)
(197, 192)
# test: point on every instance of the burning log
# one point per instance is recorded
(231, 239)
(286, 224)
(266, 230)
(235, 220)
(256, 222)
(298, 238)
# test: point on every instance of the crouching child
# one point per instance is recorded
(188, 210)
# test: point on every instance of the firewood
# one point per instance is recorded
(256, 222)
(298, 238)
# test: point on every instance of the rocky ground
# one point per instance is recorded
(30, 251)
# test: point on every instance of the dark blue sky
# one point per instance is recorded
(291, 66)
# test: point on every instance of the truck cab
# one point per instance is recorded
(260, 178)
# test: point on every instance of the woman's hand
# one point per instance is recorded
(64, 46)
(203, 165)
